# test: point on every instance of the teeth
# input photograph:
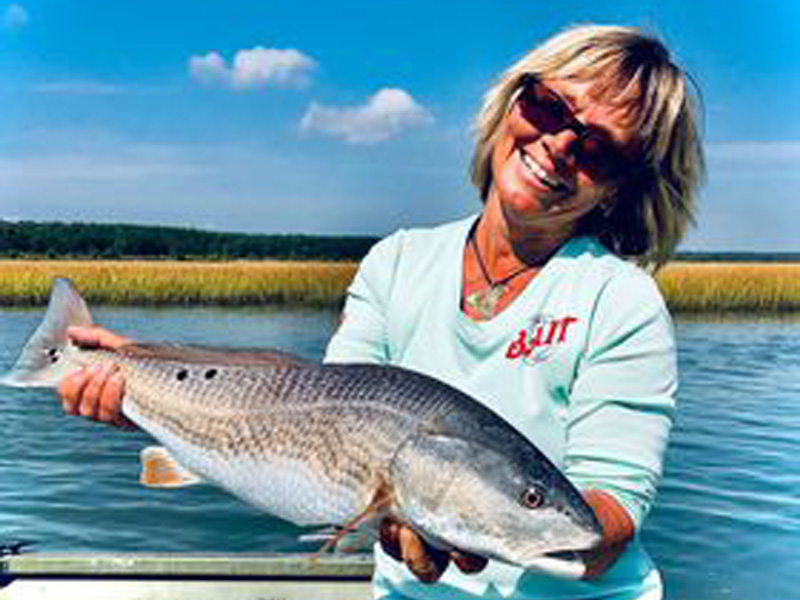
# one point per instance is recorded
(539, 171)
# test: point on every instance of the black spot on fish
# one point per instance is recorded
(211, 373)
(182, 374)
(53, 355)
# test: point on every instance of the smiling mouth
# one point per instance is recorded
(539, 172)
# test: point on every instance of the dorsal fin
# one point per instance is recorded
(211, 355)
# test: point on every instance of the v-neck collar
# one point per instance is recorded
(518, 307)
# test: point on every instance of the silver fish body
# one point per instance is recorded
(321, 444)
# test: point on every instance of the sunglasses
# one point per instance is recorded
(593, 151)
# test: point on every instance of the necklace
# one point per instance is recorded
(485, 301)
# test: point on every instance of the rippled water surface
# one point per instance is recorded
(726, 525)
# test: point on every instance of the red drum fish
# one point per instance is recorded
(322, 444)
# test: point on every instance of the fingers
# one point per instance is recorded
(109, 401)
(468, 563)
(618, 529)
(600, 560)
(96, 337)
(427, 563)
(390, 538)
(403, 544)
(70, 390)
(96, 393)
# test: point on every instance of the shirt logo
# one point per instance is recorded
(537, 342)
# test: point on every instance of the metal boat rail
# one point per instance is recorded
(153, 576)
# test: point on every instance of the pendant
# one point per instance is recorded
(485, 301)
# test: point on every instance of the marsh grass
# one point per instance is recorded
(756, 288)
(28, 282)
(689, 287)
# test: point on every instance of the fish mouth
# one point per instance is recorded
(559, 535)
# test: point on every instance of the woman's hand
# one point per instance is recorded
(618, 530)
(426, 562)
(95, 392)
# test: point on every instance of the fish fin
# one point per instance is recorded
(43, 361)
(161, 470)
(381, 500)
(347, 540)
(211, 355)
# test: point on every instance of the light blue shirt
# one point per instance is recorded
(582, 362)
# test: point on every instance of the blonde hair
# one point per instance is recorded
(653, 207)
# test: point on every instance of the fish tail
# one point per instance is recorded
(45, 358)
(161, 470)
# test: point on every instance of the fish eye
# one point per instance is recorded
(53, 354)
(532, 498)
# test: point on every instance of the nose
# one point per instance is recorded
(559, 145)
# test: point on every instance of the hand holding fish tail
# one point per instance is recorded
(427, 563)
(95, 392)
(618, 530)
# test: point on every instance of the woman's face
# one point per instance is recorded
(538, 176)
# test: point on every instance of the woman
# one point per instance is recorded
(586, 154)
(587, 160)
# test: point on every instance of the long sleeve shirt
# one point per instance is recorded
(582, 362)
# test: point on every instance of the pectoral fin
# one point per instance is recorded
(348, 532)
(347, 541)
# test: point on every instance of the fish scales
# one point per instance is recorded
(294, 398)
(319, 444)
(344, 423)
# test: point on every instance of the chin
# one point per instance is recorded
(521, 205)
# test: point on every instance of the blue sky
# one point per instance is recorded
(350, 117)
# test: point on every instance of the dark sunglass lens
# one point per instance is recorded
(542, 107)
(593, 150)
(598, 156)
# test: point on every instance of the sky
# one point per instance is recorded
(351, 117)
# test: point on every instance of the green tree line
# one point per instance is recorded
(110, 241)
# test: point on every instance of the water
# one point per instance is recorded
(726, 524)
(727, 521)
(72, 485)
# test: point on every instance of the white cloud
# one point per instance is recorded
(209, 68)
(15, 17)
(384, 115)
(255, 68)
(262, 66)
